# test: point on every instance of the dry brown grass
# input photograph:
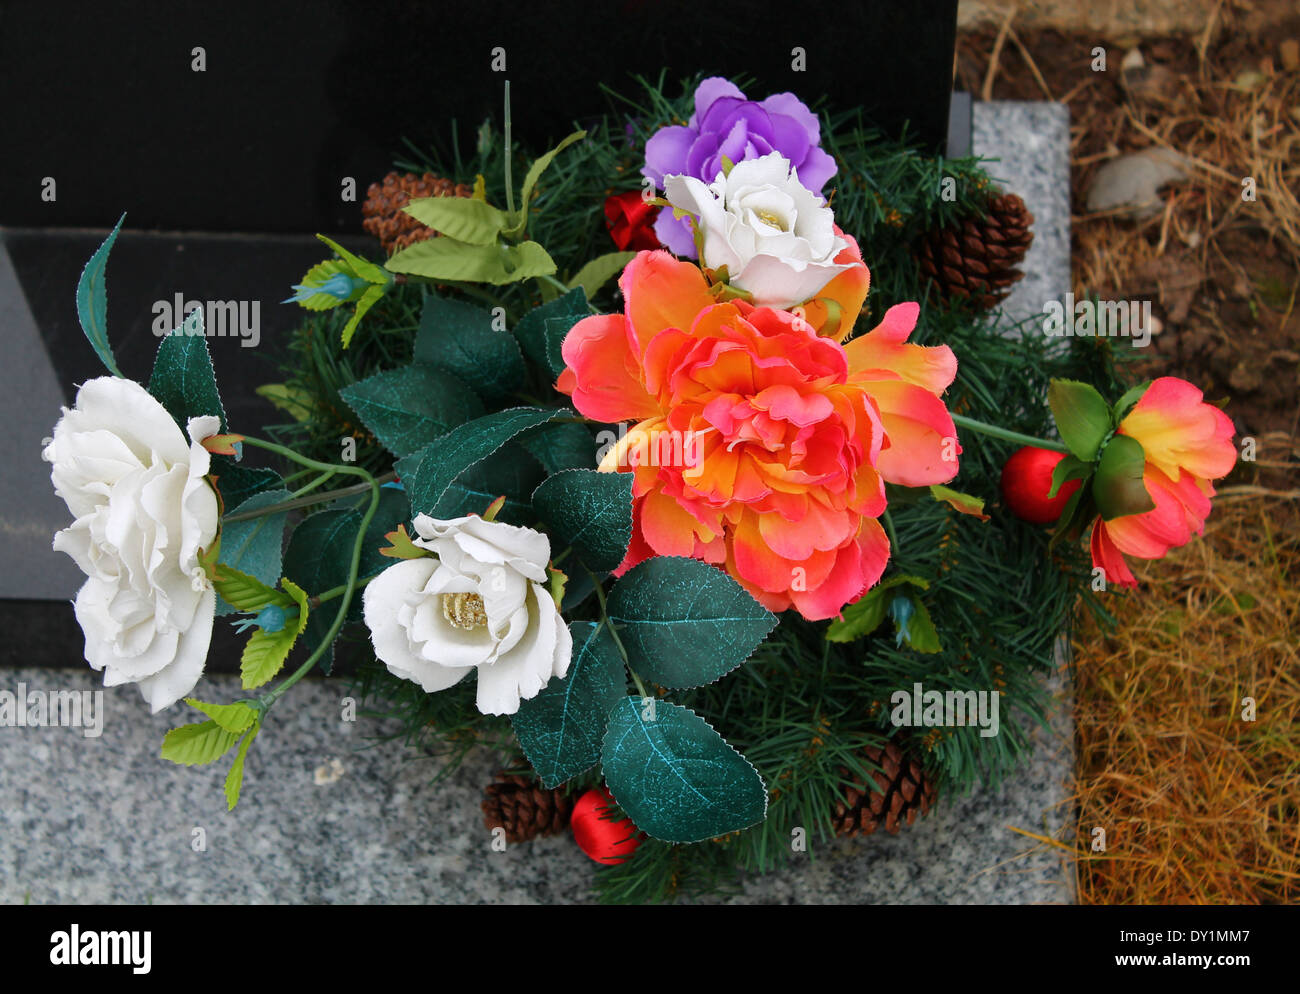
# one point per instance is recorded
(1198, 805)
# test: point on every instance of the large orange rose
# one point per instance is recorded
(768, 445)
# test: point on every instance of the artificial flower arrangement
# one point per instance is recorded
(680, 549)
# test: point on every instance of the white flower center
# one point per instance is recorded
(465, 611)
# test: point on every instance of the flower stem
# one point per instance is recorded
(1006, 434)
(604, 620)
(296, 502)
(354, 564)
(318, 482)
(510, 192)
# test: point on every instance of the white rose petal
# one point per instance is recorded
(775, 237)
(144, 511)
(508, 628)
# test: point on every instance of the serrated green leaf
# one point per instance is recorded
(868, 613)
(1127, 402)
(1082, 416)
(958, 501)
(561, 446)
(675, 776)
(1118, 487)
(429, 473)
(92, 301)
(531, 331)
(183, 380)
(920, 634)
(446, 258)
(510, 473)
(408, 407)
(237, 483)
(198, 744)
(319, 555)
(539, 166)
(462, 218)
(361, 267)
(235, 778)
(590, 511)
(247, 593)
(232, 717)
(318, 275)
(685, 623)
(265, 653)
(560, 729)
(294, 401)
(460, 338)
(367, 301)
(253, 546)
(600, 271)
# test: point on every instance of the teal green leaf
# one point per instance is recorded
(561, 446)
(265, 653)
(1082, 416)
(511, 473)
(183, 380)
(560, 730)
(590, 511)
(459, 338)
(540, 339)
(198, 744)
(237, 483)
(317, 559)
(367, 301)
(429, 473)
(92, 301)
(675, 776)
(232, 717)
(235, 778)
(448, 259)
(1118, 487)
(539, 166)
(600, 271)
(685, 623)
(408, 407)
(462, 218)
(254, 546)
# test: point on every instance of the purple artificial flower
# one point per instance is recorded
(726, 124)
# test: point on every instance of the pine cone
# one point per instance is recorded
(978, 258)
(382, 211)
(524, 808)
(904, 790)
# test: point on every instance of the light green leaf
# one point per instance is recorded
(235, 717)
(868, 613)
(590, 511)
(366, 270)
(685, 623)
(1069, 468)
(1082, 416)
(560, 730)
(92, 301)
(235, 778)
(958, 501)
(1127, 402)
(675, 776)
(367, 301)
(408, 407)
(448, 259)
(265, 653)
(920, 634)
(461, 218)
(539, 166)
(197, 745)
(600, 271)
(294, 401)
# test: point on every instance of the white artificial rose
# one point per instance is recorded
(776, 237)
(143, 513)
(482, 604)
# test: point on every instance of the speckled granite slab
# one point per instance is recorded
(331, 815)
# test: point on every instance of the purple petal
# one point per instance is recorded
(791, 106)
(733, 147)
(702, 152)
(674, 234)
(710, 90)
(816, 170)
(666, 152)
(723, 114)
(789, 138)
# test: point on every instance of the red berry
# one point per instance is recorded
(1026, 482)
(604, 841)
